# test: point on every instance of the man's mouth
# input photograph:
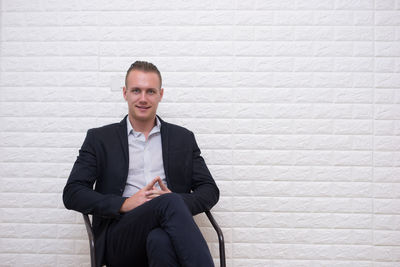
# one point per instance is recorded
(142, 107)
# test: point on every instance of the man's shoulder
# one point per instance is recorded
(176, 129)
(105, 129)
(179, 137)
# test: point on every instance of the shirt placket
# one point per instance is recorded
(146, 171)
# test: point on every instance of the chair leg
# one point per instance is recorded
(91, 239)
(220, 239)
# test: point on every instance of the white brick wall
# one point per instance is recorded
(295, 105)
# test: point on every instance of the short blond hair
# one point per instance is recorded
(145, 67)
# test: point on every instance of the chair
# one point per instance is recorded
(214, 223)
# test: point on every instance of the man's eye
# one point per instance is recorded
(136, 91)
(150, 92)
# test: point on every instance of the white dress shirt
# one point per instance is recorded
(145, 158)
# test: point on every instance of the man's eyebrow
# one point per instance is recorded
(149, 88)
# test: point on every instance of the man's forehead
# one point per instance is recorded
(141, 79)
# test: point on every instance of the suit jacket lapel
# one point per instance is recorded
(164, 144)
(123, 137)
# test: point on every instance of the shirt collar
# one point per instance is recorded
(156, 128)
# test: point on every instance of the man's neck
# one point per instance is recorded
(142, 126)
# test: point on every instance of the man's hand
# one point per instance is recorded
(154, 192)
(145, 194)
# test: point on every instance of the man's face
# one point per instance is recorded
(143, 93)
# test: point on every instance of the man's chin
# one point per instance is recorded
(144, 118)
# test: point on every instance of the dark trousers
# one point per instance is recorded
(160, 232)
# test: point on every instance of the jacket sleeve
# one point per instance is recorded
(205, 193)
(78, 193)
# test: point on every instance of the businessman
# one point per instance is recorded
(149, 180)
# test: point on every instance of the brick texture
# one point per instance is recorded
(295, 105)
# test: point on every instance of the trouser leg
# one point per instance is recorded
(160, 251)
(126, 239)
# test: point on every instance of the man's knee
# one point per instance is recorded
(171, 206)
(173, 199)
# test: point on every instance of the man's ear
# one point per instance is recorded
(124, 92)
(161, 93)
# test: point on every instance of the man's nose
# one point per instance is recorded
(143, 97)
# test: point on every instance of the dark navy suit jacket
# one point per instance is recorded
(103, 161)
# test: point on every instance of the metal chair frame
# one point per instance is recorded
(214, 223)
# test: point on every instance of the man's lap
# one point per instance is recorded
(127, 236)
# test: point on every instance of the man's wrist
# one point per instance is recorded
(122, 209)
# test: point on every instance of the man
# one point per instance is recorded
(149, 180)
